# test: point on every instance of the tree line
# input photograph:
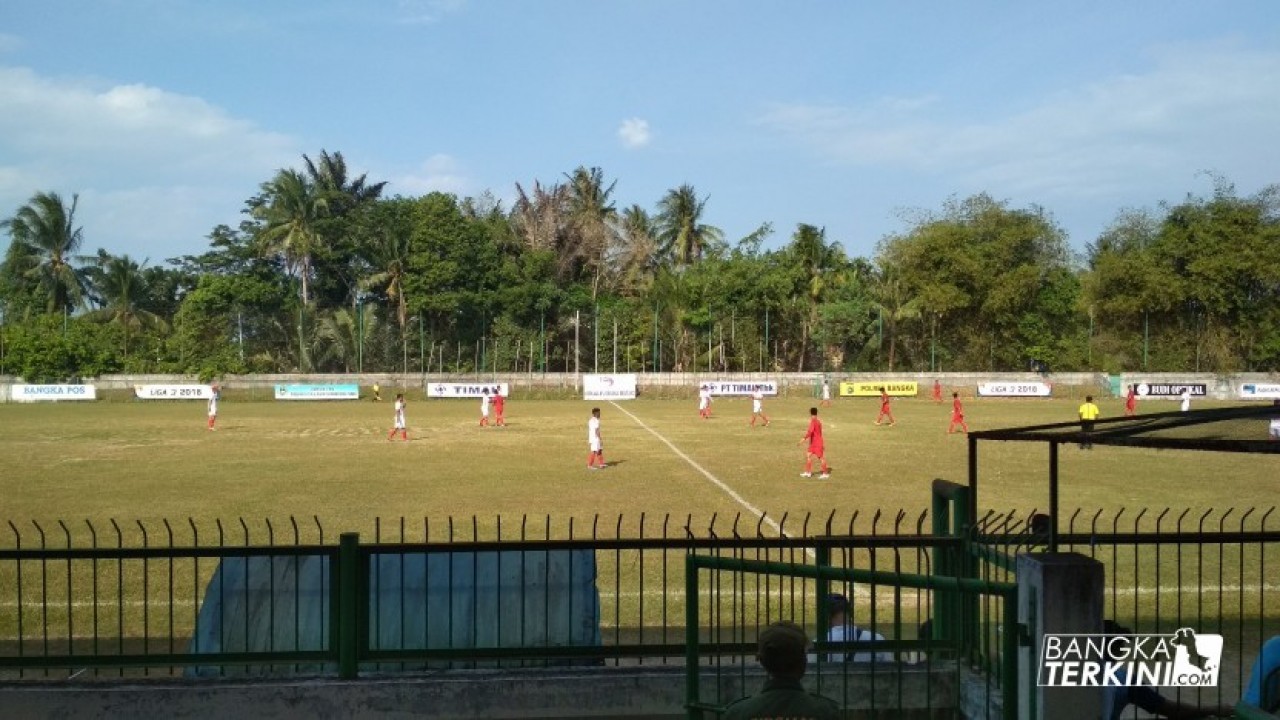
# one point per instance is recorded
(326, 274)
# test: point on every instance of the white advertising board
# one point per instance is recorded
(609, 387)
(741, 387)
(466, 390)
(318, 392)
(172, 392)
(53, 393)
(1171, 391)
(1260, 391)
(1014, 389)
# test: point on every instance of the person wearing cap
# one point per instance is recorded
(842, 629)
(781, 653)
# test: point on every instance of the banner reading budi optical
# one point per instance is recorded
(1026, 389)
(317, 392)
(465, 390)
(52, 393)
(609, 387)
(741, 387)
(872, 389)
(1259, 391)
(172, 392)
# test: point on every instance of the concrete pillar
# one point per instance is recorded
(1057, 593)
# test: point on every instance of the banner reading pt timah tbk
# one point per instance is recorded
(741, 387)
(466, 390)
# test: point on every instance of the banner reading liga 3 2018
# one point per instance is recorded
(872, 389)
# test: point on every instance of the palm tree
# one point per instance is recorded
(329, 178)
(813, 257)
(291, 207)
(44, 243)
(123, 288)
(634, 257)
(896, 303)
(388, 253)
(681, 233)
(590, 215)
(340, 336)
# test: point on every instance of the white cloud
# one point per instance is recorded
(155, 170)
(1202, 107)
(635, 133)
(438, 173)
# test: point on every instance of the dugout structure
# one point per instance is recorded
(1234, 429)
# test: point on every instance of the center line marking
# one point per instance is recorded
(714, 480)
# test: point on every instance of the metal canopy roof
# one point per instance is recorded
(1235, 429)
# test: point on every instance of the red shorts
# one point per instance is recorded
(816, 450)
(957, 417)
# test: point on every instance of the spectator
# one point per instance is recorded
(1264, 682)
(1116, 699)
(842, 629)
(781, 654)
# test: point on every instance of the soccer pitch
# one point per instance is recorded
(332, 460)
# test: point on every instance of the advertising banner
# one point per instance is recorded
(466, 390)
(741, 387)
(172, 392)
(1260, 391)
(318, 392)
(1171, 391)
(1014, 389)
(896, 388)
(609, 387)
(53, 393)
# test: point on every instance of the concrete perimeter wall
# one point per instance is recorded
(614, 693)
(1220, 387)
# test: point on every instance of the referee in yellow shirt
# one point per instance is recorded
(1088, 413)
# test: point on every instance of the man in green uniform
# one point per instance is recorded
(782, 654)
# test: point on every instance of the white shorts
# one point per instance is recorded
(595, 446)
(756, 406)
(702, 403)
(1275, 429)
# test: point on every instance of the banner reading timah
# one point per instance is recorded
(896, 388)
(172, 392)
(466, 390)
(52, 393)
(1021, 389)
(609, 387)
(318, 392)
(741, 387)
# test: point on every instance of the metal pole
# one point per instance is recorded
(1146, 333)
(655, 339)
(595, 342)
(577, 351)
(348, 605)
(543, 331)
(615, 344)
(359, 335)
(422, 347)
(240, 333)
(1053, 497)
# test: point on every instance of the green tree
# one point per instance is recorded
(123, 289)
(681, 233)
(44, 242)
(291, 207)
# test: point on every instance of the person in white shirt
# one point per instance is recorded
(595, 461)
(213, 406)
(1274, 430)
(484, 408)
(399, 424)
(826, 394)
(842, 629)
(757, 408)
(704, 402)
(1186, 399)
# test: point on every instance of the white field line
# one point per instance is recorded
(714, 480)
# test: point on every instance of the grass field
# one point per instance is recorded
(155, 460)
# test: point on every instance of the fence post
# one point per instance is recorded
(348, 604)
(691, 616)
(943, 622)
(1057, 593)
(822, 586)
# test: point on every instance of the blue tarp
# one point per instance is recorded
(434, 600)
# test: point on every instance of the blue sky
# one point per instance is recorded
(166, 115)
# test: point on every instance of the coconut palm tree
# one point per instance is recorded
(329, 176)
(45, 240)
(291, 208)
(388, 254)
(341, 335)
(634, 258)
(591, 213)
(681, 233)
(896, 303)
(123, 288)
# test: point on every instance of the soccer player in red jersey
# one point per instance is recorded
(1131, 401)
(499, 406)
(937, 391)
(957, 415)
(816, 447)
(885, 412)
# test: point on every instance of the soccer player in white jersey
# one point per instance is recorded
(594, 442)
(399, 424)
(757, 408)
(704, 402)
(213, 406)
(484, 408)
